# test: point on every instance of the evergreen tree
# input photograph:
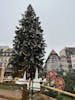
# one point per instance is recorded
(29, 44)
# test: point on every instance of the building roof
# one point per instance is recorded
(53, 52)
(71, 50)
(3, 47)
(7, 50)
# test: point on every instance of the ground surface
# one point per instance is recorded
(3, 99)
(18, 94)
(9, 93)
(40, 96)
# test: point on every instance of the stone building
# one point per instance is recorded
(52, 62)
(65, 61)
(5, 54)
(67, 58)
(73, 61)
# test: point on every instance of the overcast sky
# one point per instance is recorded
(57, 20)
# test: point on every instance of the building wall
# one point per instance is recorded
(67, 58)
(5, 55)
(73, 61)
(52, 62)
(62, 53)
(63, 63)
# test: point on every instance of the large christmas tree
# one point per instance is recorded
(28, 45)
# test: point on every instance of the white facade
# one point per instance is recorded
(73, 61)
